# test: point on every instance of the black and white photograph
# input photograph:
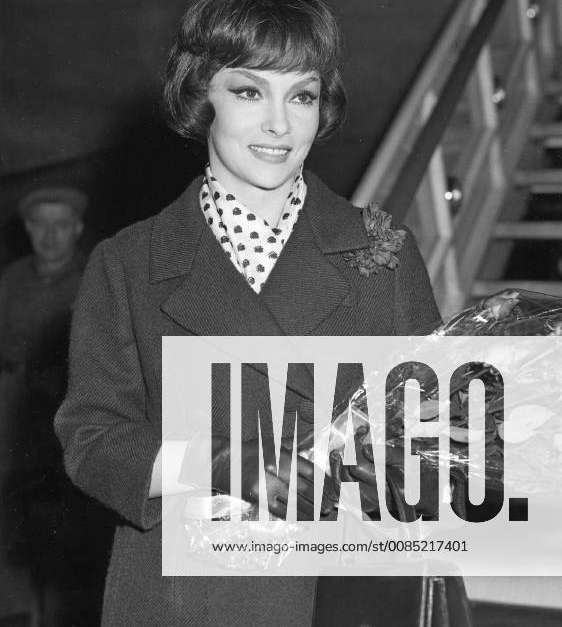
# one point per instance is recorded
(234, 171)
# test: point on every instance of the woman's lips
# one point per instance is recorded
(270, 154)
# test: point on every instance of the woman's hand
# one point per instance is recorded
(363, 473)
(277, 479)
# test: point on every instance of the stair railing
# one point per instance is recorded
(410, 175)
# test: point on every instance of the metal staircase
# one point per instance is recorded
(530, 224)
(469, 148)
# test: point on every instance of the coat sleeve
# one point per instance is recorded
(109, 445)
(416, 312)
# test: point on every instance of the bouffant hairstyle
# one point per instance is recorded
(276, 35)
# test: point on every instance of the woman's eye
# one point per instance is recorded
(305, 97)
(247, 93)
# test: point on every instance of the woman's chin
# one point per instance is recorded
(272, 179)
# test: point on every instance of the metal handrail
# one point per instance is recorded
(414, 167)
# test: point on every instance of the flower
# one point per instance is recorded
(384, 243)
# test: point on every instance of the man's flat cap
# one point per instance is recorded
(70, 196)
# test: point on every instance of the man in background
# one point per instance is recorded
(36, 292)
(36, 298)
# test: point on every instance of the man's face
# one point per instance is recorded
(54, 229)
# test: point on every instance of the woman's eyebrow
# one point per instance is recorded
(264, 82)
(306, 81)
(258, 79)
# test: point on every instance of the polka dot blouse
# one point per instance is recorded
(249, 241)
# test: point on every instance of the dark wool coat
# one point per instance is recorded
(169, 276)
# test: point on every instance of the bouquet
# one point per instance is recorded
(511, 312)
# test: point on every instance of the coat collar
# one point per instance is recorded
(176, 235)
(178, 229)
(337, 226)
(303, 289)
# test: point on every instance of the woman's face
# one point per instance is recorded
(265, 123)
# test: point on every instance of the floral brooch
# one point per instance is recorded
(384, 243)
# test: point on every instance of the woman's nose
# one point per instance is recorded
(276, 121)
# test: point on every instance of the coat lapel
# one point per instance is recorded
(304, 288)
(212, 298)
(302, 291)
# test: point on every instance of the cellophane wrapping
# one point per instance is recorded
(507, 313)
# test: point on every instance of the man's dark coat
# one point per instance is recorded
(169, 276)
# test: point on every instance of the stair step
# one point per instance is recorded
(546, 180)
(552, 143)
(546, 131)
(528, 230)
(481, 289)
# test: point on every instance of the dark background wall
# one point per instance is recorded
(80, 88)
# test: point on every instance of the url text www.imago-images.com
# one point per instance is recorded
(361, 440)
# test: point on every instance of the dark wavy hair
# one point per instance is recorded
(278, 35)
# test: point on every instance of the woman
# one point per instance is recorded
(255, 247)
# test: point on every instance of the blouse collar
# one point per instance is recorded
(252, 245)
